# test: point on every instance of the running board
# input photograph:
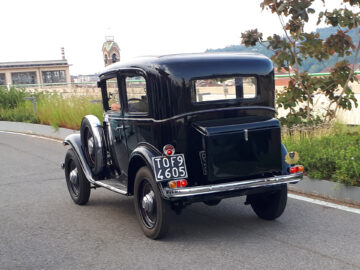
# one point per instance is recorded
(118, 188)
(75, 142)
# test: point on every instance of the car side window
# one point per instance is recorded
(137, 100)
(113, 94)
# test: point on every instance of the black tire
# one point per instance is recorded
(153, 217)
(269, 205)
(78, 186)
(212, 202)
(94, 153)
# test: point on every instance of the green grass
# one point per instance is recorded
(331, 153)
(51, 109)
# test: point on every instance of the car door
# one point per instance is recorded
(136, 109)
(115, 126)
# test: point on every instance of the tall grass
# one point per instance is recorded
(51, 109)
(59, 111)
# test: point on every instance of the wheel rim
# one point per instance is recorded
(73, 179)
(147, 204)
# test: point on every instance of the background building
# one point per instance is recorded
(34, 72)
(111, 51)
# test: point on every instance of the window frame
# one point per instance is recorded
(29, 72)
(223, 101)
(4, 79)
(133, 73)
(43, 72)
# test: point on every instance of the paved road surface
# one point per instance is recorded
(41, 228)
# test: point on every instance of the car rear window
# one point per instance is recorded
(216, 89)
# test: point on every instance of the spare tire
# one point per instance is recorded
(93, 143)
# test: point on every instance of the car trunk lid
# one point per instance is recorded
(239, 149)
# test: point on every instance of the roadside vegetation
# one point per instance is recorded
(327, 152)
(51, 109)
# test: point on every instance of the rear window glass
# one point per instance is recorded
(224, 89)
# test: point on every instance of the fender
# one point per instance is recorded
(74, 141)
(141, 156)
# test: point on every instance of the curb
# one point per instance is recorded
(36, 129)
(329, 190)
(320, 188)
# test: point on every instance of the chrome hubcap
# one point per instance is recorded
(74, 176)
(148, 202)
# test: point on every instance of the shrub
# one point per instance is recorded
(331, 154)
(13, 106)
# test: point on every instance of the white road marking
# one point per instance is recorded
(323, 203)
(32, 135)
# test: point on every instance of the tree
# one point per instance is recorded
(295, 46)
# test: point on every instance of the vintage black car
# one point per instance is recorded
(179, 129)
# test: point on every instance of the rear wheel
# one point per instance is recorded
(152, 211)
(78, 185)
(269, 205)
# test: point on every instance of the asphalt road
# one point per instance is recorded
(41, 228)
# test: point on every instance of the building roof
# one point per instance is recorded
(109, 44)
(26, 64)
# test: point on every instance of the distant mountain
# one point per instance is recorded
(309, 65)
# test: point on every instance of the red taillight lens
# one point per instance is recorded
(168, 150)
(184, 183)
(297, 169)
(178, 184)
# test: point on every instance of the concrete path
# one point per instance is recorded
(35, 129)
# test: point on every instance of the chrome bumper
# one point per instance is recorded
(232, 186)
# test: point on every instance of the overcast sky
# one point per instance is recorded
(37, 29)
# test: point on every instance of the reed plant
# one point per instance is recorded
(60, 111)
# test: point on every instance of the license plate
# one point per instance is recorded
(169, 167)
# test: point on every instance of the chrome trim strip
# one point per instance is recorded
(74, 141)
(240, 185)
(192, 113)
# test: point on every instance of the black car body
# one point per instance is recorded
(190, 128)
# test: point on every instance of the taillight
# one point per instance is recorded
(178, 183)
(297, 169)
(169, 150)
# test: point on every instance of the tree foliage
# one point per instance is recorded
(293, 49)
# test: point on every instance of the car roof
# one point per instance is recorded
(197, 65)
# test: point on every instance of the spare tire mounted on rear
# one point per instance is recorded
(92, 143)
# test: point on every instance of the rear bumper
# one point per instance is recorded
(232, 186)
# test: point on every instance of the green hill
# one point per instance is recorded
(310, 65)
